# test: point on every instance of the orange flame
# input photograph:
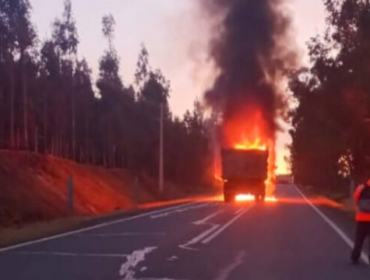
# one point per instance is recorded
(244, 197)
(219, 178)
(250, 197)
(256, 145)
(249, 132)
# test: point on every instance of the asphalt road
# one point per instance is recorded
(290, 239)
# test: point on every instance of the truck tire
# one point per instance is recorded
(260, 197)
(263, 195)
(228, 197)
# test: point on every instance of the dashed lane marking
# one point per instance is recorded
(225, 226)
(206, 219)
(198, 238)
(238, 212)
(226, 272)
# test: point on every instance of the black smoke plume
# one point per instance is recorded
(251, 49)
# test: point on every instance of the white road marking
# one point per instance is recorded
(345, 238)
(161, 215)
(199, 237)
(172, 258)
(225, 226)
(237, 212)
(188, 248)
(225, 273)
(127, 270)
(158, 279)
(204, 234)
(68, 254)
(93, 227)
(124, 234)
(206, 219)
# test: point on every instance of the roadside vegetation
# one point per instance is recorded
(331, 119)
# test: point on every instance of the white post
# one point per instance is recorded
(161, 189)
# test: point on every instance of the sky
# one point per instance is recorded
(176, 36)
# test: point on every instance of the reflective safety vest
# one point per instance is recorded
(362, 203)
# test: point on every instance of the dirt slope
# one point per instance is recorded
(34, 188)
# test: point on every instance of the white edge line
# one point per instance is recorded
(345, 238)
(91, 228)
(68, 254)
(225, 226)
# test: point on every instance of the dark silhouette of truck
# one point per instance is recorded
(244, 172)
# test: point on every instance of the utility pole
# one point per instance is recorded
(160, 177)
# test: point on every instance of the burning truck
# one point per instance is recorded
(244, 172)
(248, 166)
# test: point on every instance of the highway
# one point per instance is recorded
(290, 239)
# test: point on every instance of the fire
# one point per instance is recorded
(250, 132)
(250, 197)
(255, 145)
(244, 197)
(219, 178)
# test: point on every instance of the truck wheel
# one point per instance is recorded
(259, 197)
(227, 197)
(263, 195)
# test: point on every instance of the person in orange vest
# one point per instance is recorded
(362, 206)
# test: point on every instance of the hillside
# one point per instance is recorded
(34, 188)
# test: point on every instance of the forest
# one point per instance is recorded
(331, 119)
(50, 104)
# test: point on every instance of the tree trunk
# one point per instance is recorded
(46, 148)
(25, 102)
(81, 156)
(53, 145)
(12, 93)
(73, 124)
(113, 161)
(87, 146)
(18, 139)
(93, 156)
(2, 124)
(36, 140)
(104, 158)
(67, 151)
(59, 146)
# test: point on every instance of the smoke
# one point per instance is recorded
(252, 51)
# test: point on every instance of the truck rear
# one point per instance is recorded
(244, 172)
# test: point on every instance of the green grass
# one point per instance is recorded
(12, 236)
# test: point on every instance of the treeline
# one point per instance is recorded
(331, 124)
(49, 104)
